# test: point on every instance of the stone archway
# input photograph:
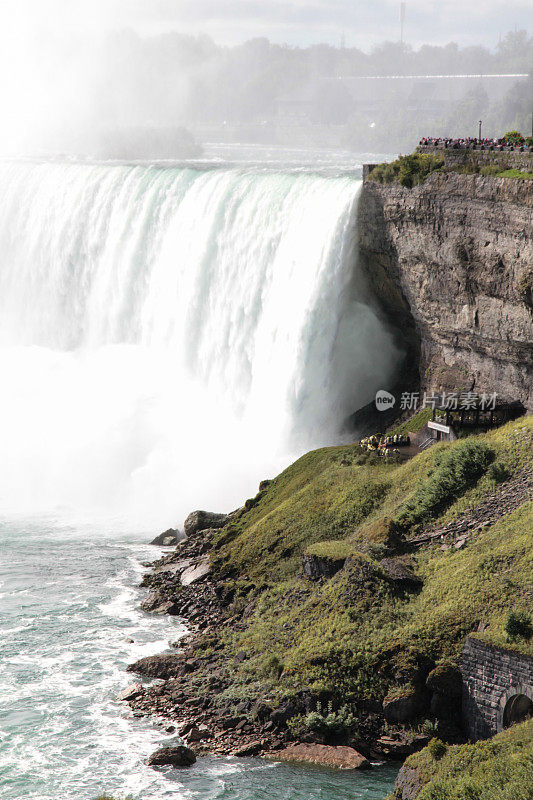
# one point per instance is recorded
(516, 705)
(518, 708)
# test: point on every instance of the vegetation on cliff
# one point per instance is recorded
(337, 600)
(408, 170)
(497, 769)
(359, 634)
(414, 169)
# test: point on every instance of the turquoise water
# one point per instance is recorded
(69, 610)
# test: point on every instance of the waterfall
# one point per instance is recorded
(169, 336)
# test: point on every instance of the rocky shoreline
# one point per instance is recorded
(180, 585)
(192, 692)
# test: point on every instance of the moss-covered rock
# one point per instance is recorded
(445, 680)
(384, 532)
(404, 704)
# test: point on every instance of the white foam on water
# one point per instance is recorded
(168, 337)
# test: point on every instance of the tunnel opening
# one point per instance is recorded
(518, 708)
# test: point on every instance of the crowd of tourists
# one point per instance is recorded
(386, 446)
(471, 142)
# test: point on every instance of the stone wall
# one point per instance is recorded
(491, 677)
(506, 159)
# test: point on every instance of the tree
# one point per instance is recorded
(513, 138)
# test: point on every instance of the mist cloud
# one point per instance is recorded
(297, 22)
(69, 68)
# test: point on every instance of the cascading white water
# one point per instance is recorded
(169, 336)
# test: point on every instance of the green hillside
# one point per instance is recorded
(351, 634)
(498, 769)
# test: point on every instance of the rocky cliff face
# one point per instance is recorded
(451, 263)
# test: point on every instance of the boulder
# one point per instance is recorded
(197, 733)
(363, 575)
(401, 571)
(166, 539)
(324, 755)
(445, 680)
(250, 749)
(444, 708)
(160, 666)
(400, 744)
(180, 756)
(283, 713)
(316, 567)
(384, 532)
(151, 602)
(155, 603)
(199, 520)
(131, 692)
(403, 705)
(195, 573)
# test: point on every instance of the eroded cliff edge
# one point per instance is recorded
(451, 264)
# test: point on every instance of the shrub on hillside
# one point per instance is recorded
(326, 721)
(408, 170)
(456, 469)
(519, 625)
(437, 749)
(499, 472)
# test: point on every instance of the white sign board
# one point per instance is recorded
(436, 426)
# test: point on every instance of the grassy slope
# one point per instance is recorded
(498, 769)
(516, 174)
(348, 633)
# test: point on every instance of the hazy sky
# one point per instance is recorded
(297, 22)
(51, 63)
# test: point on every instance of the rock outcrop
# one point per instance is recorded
(195, 572)
(166, 539)
(201, 520)
(446, 685)
(159, 666)
(408, 784)
(404, 705)
(172, 756)
(131, 692)
(450, 264)
(323, 755)
(315, 567)
(401, 572)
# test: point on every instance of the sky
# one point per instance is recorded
(363, 23)
(51, 50)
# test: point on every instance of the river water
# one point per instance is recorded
(69, 626)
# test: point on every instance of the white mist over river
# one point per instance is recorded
(169, 335)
